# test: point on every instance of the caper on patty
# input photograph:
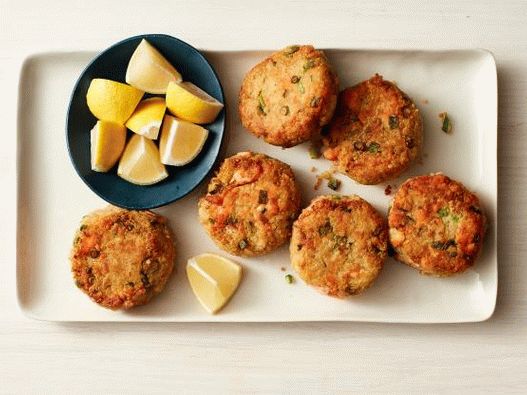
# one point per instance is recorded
(436, 225)
(289, 96)
(377, 132)
(339, 245)
(122, 258)
(250, 204)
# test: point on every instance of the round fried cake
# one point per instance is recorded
(377, 132)
(288, 97)
(436, 225)
(251, 204)
(339, 245)
(122, 258)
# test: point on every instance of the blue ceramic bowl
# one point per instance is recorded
(112, 64)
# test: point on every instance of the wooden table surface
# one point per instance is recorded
(274, 358)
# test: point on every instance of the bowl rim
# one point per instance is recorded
(223, 128)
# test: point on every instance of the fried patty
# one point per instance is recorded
(339, 244)
(289, 96)
(376, 133)
(436, 225)
(122, 258)
(250, 205)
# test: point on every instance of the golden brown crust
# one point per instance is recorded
(250, 205)
(436, 225)
(376, 132)
(289, 96)
(339, 245)
(122, 258)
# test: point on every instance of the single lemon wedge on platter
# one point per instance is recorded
(140, 162)
(147, 117)
(111, 100)
(213, 279)
(190, 103)
(107, 141)
(181, 141)
(149, 71)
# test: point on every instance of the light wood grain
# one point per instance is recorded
(272, 358)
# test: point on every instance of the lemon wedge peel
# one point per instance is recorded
(111, 100)
(147, 117)
(213, 279)
(107, 141)
(140, 162)
(149, 70)
(190, 103)
(180, 141)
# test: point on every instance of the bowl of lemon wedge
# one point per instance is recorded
(146, 121)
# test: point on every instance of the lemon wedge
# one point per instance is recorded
(140, 162)
(213, 279)
(149, 71)
(112, 101)
(107, 143)
(147, 117)
(181, 141)
(188, 102)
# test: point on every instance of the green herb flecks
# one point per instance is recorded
(393, 121)
(342, 241)
(262, 196)
(374, 148)
(261, 104)
(242, 244)
(289, 51)
(446, 126)
(315, 101)
(443, 212)
(439, 245)
(289, 279)
(309, 64)
(333, 183)
(314, 151)
(301, 88)
(295, 79)
(475, 209)
(231, 220)
(325, 229)
(446, 215)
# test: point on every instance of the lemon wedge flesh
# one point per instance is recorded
(188, 102)
(111, 100)
(107, 143)
(213, 279)
(149, 71)
(181, 141)
(140, 162)
(147, 117)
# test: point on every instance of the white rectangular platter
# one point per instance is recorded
(52, 199)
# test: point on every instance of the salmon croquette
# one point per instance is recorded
(250, 205)
(122, 258)
(377, 132)
(289, 96)
(436, 225)
(339, 245)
